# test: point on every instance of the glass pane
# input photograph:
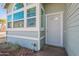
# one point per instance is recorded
(42, 12)
(31, 22)
(18, 24)
(18, 16)
(31, 12)
(18, 20)
(42, 22)
(18, 6)
(9, 24)
(42, 18)
(9, 18)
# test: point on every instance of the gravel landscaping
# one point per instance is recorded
(8, 49)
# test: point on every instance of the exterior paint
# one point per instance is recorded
(71, 32)
(71, 29)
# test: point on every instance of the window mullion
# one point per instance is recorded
(25, 16)
(12, 15)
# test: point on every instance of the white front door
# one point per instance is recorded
(54, 30)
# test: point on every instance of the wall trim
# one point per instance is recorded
(54, 13)
(22, 29)
(23, 37)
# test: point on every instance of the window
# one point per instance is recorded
(31, 22)
(42, 18)
(9, 8)
(31, 19)
(31, 12)
(18, 24)
(18, 6)
(18, 15)
(18, 20)
(9, 21)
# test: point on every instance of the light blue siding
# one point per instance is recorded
(28, 43)
(71, 29)
(24, 33)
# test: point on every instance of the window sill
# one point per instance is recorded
(22, 29)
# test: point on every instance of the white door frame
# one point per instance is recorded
(61, 13)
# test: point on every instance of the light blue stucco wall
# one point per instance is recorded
(27, 43)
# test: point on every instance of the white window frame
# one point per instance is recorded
(25, 18)
(31, 6)
(42, 28)
(8, 21)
